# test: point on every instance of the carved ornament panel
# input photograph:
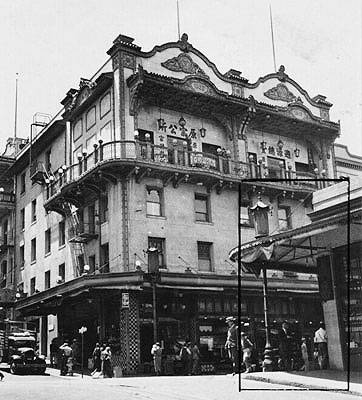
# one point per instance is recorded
(280, 92)
(183, 63)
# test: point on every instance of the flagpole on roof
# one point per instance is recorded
(178, 20)
(272, 36)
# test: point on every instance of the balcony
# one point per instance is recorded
(7, 202)
(38, 172)
(82, 233)
(6, 242)
(111, 161)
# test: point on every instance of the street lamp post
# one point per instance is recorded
(82, 331)
(260, 212)
(153, 270)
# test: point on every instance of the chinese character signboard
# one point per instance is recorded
(125, 300)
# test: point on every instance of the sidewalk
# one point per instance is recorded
(325, 379)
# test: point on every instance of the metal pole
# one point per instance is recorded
(82, 353)
(154, 310)
(239, 286)
(16, 105)
(267, 363)
(348, 283)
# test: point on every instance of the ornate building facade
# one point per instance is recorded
(149, 153)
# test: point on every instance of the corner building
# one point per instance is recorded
(149, 153)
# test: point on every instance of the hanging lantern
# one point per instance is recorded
(263, 146)
(297, 152)
(182, 122)
(260, 213)
(280, 144)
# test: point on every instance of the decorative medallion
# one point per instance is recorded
(237, 90)
(325, 114)
(200, 87)
(183, 63)
(128, 61)
(280, 92)
(299, 113)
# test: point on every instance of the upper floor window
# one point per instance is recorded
(284, 218)
(106, 133)
(47, 241)
(77, 130)
(245, 217)
(21, 255)
(202, 213)
(154, 201)
(275, 168)
(33, 250)
(47, 163)
(22, 218)
(33, 210)
(204, 256)
(22, 183)
(47, 280)
(103, 208)
(32, 286)
(104, 267)
(91, 118)
(61, 272)
(61, 233)
(159, 244)
(105, 105)
(3, 274)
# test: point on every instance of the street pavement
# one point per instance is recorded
(205, 387)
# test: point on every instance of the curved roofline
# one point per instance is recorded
(185, 46)
(347, 151)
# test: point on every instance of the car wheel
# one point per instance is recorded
(13, 368)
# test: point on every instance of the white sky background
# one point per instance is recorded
(52, 43)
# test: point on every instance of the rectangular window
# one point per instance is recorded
(76, 153)
(33, 210)
(61, 272)
(22, 183)
(47, 280)
(284, 218)
(3, 274)
(245, 217)
(106, 133)
(47, 163)
(202, 208)
(204, 256)
(103, 209)
(77, 130)
(32, 286)
(91, 218)
(104, 267)
(159, 244)
(91, 118)
(22, 218)
(276, 168)
(61, 233)
(47, 241)
(5, 232)
(105, 105)
(154, 201)
(33, 250)
(21, 255)
(81, 263)
(92, 263)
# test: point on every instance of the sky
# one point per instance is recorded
(52, 43)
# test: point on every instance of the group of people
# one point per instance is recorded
(188, 354)
(102, 361)
(292, 354)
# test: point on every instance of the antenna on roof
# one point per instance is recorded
(272, 36)
(178, 20)
(16, 104)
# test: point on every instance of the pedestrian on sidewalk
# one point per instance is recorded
(54, 348)
(320, 339)
(76, 353)
(195, 355)
(156, 352)
(186, 358)
(305, 355)
(97, 363)
(246, 347)
(231, 344)
(65, 354)
(106, 356)
(284, 347)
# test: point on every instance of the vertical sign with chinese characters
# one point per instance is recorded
(125, 300)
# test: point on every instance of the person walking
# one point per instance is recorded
(54, 348)
(186, 358)
(97, 363)
(231, 344)
(305, 356)
(156, 352)
(106, 356)
(320, 339)
(76, 352)
(284, 347)
(66, 355)
(195, 355)
(246, 347)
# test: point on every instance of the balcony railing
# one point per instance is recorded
(7, 197)
(172, 156)
(82, 233)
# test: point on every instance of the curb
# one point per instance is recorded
(301, 385)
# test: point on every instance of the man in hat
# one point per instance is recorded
(231, 344)
(156, 352)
